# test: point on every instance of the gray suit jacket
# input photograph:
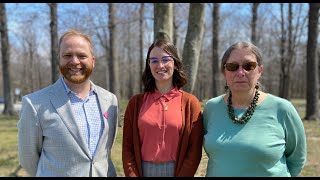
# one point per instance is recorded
(49, 140)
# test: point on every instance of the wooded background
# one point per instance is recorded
(287, 34)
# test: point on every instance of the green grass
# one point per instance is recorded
(116, 155)
(8, 145)
(9, 156)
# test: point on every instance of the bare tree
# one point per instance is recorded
(54, 42)
(163, 21)
(29, 49)
(180, 25)
(289, 41)
(289, 57)
(193, 42)
(202, 76)
(141, 25)
(130, 83)
(94, 20)
(30, 46)
(282, 51)
(215, 49)
(285, 64)
(113, 61)
(5, 52)
(254, 22)
(312, 110)
(99, 21)
(175, 26)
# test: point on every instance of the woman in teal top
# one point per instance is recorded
(249, 132)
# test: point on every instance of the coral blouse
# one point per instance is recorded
(159, 124)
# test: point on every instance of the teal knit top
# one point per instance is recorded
(271, 143)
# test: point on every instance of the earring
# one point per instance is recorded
(257, 85)
(226, 87)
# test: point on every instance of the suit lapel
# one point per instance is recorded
(103, 103)
(61, 102)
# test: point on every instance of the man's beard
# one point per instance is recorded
(77, 79)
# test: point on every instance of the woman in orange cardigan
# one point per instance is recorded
(163, 131)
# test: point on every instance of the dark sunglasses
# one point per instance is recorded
(248, 66)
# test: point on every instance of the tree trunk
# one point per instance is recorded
(175, 26)
(193, 42)
(289, 57)
(163, 21)
(141, 21)
(130, 65)
(282, 54)
(30, 47)
(312, 110)
(5, 52)
(202, 79)
(215, 49)
(54, 42)
(254, 23)
(113, 60)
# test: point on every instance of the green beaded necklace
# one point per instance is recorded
(245, 118)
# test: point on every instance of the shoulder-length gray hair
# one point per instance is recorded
(241, 45)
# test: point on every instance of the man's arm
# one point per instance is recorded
(29, 137)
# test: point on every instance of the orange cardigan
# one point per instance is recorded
(190, 140)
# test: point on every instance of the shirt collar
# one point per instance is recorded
(68, 90)
(169, 95)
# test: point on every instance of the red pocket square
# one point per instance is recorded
(105, 115)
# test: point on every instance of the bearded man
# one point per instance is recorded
(69, 127)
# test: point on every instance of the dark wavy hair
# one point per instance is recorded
(179, 78)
